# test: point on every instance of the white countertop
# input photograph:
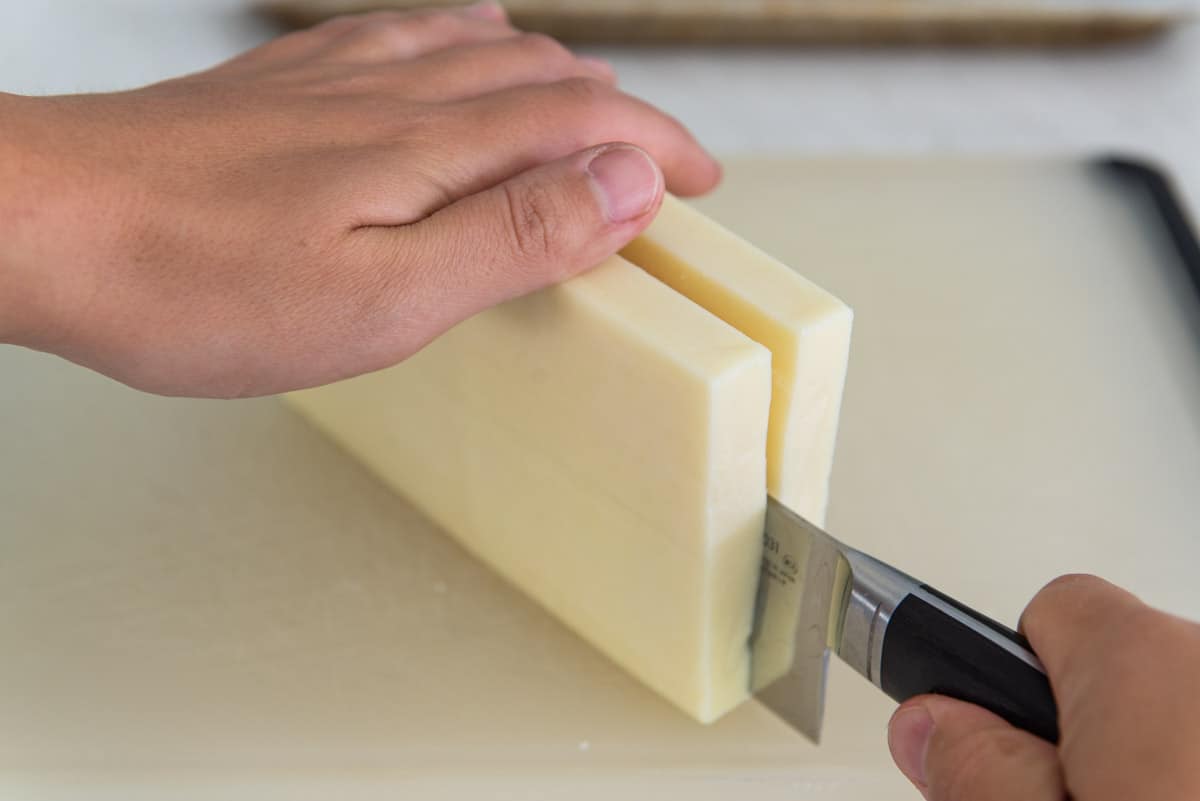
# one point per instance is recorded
(1143, 98)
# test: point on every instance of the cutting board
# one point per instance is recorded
(206, 599)
(989, 22)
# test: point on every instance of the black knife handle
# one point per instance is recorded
(934, 644)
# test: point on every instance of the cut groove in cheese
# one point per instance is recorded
(806, 329)
(602, 445)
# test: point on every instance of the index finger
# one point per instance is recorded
(1068, 615)
(1128, 691)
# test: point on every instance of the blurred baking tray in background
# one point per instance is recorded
(963, 22)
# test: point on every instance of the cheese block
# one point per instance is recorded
(806, 329)
(602, 445)
(606, 444)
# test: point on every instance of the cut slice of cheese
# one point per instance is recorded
(806, 329)
(602, 445)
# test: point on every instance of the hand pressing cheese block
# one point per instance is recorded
(806, 329)
(602, 445)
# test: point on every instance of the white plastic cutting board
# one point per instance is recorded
(208, 600)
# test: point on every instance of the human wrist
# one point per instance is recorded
(49, 192)
(20, 296)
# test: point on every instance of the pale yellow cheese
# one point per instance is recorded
(806, 329)
(606, 444)
(602, 445)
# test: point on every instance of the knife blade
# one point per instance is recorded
(817, 596)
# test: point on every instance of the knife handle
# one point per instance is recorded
(934, 644)
(922, 641)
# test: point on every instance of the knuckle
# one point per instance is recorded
(378, 34)
(397, 32)
(379, 27)
(1050, 597)
(585, 91)
(543, 47)
(535, 222)
(1070, 582)
(334, 26)
(437, 23)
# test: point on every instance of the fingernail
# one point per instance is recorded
(908, 739)
(488, 9)
(627, 181)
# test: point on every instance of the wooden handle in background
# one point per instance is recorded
(1028, 23)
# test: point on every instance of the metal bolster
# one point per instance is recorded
(876, 589)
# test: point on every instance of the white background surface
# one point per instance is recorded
(1143, 98)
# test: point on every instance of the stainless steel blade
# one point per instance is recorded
(802, 593)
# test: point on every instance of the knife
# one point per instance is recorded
(817, 595)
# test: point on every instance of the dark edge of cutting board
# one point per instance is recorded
(735, 22)
(1167, 202)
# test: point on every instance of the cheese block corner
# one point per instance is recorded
(806, 328)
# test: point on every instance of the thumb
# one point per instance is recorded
(955, 751)
(538, 228)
